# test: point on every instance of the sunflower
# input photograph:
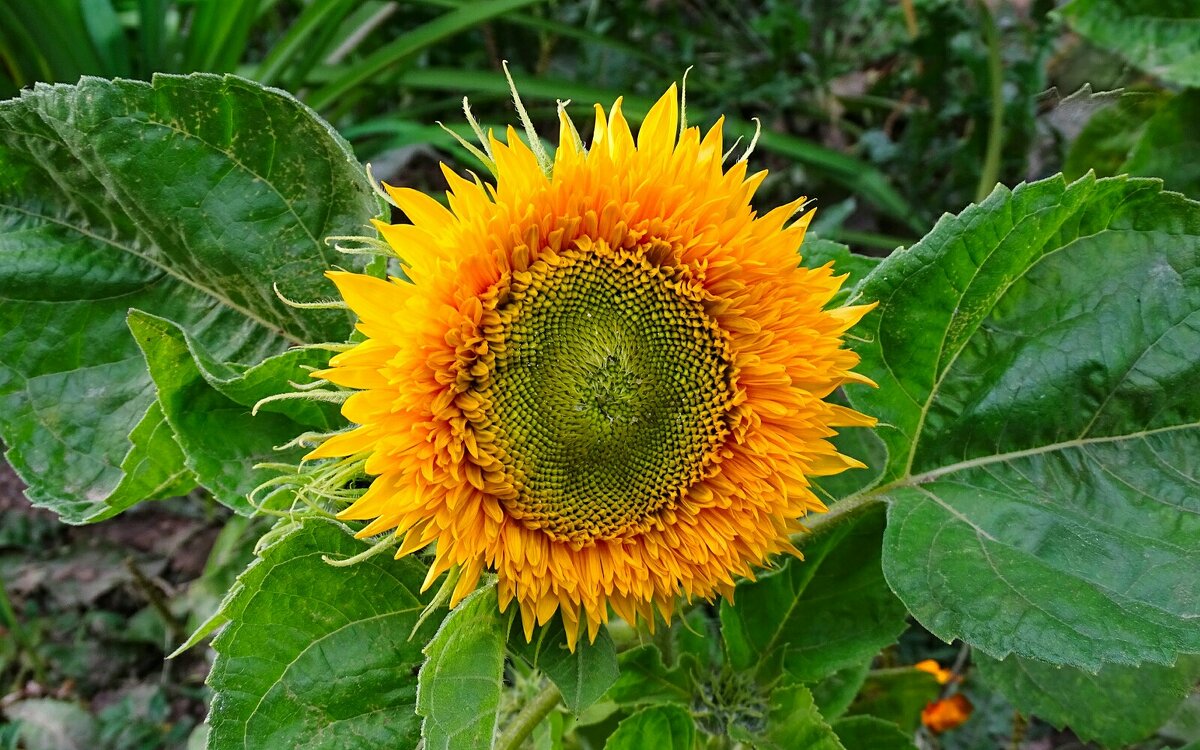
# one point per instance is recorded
(603, 378)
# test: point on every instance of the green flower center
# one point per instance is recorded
(608, 388)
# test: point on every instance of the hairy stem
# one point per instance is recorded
(848, 508)
(531, 715)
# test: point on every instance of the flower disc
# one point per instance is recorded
(605, 379)
(608, 388)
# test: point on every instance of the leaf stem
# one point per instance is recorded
(990, 174)
(849, 507)
(531, 715)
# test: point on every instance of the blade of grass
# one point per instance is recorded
(411, 43)
(567, 31)
(311, 20)
(152, 26)
(107, 37)
(218, 34)
(855, 174)
(56, 31)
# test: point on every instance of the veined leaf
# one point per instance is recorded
(458, 691)
(792, 722)
(645, 678)
(318, 657)
(1168, 145)
(1036, 358)
(208, 405)
(665, 727)
(1162, 37)
(583, 676)
(187, 198)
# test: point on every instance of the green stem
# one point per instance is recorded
(533, 713)
(995, 142)
(8, 618)
(850, 507)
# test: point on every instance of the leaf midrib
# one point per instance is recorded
(249, 314)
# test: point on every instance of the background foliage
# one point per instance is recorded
(1030, 515)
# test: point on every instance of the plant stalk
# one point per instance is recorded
(995, 142)
(531, 715)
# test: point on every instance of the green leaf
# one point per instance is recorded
(458, 690)
(665, 727)
(129, 194)
(1117, 706)
(870, 733)
(390, 56)
(1162, 37)
(47, 724)
(835, 693)
(316, 656)
(583, 676)
(896, 696)
(819, 615)
(864, 445)
(1184, 725)
(1035, 357)
(794, 722)
(1104, 143)
(645, 678)
(816, 252)
(1169, 144)
(207, 405)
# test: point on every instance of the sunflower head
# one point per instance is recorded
(604, 377)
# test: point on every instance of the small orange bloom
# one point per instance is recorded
(943, 676)
(947, 713)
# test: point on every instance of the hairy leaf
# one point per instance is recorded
(1037, 371)
(317, 657)
(458, 691)
(1117, 706)
(187, 198)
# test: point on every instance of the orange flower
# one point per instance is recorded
(947, 713)
(604, 382)
(943, 676)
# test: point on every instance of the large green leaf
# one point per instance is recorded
(186, 197)
(1036, 358)
(316, 657)
(582, 675)
(666, 727)
(814, 617)
(1162, 37)
(1117, 706)
(458, 691)
(208, 404)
